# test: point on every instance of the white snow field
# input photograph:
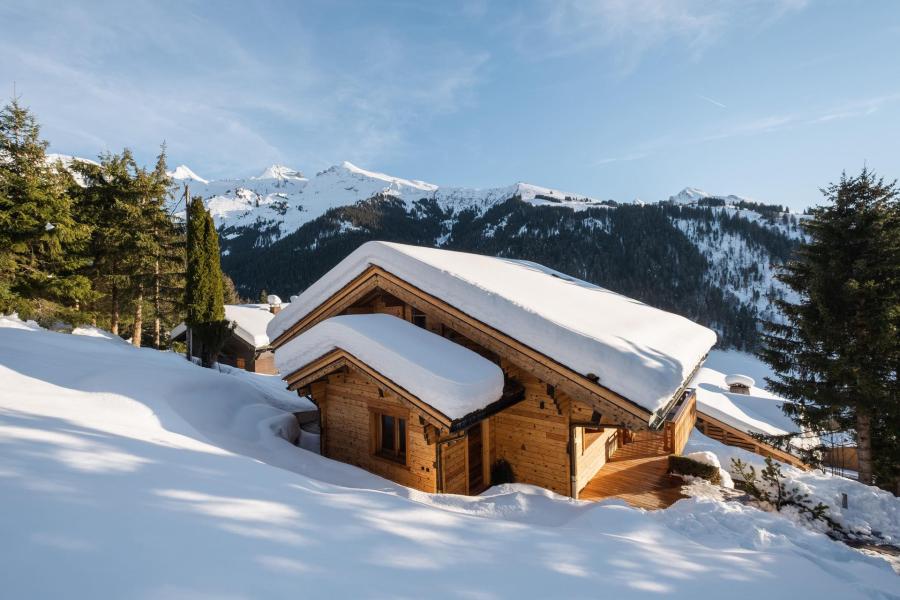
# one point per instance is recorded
(131, 473)
(446, 375)
(636, 350)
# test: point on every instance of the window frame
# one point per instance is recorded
(401, 438)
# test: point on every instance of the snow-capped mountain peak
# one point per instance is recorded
(183, 172)
(280, 172)
(689, 195)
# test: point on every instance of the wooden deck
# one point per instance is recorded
(636, 473)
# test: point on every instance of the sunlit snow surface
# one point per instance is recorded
(129, 473)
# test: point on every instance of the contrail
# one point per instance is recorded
(711, 101)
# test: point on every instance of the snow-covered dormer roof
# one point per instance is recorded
(445, 375)
(642, 353)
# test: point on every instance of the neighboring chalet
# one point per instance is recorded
(444, 371)
(248, 345)
(732, 410)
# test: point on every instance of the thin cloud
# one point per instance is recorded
(236, 102)
(711, 101)
(632, 28)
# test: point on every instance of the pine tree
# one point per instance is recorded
(837, 353)
(108, 202)
(41, 244)
(204, 296)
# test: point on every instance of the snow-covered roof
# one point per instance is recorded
(250, 322)
(640, 352)
(758, 411)
(445, 375)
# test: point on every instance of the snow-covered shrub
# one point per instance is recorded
(684, 465)
(773, 492)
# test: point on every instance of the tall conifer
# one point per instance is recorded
(837, 354)
(41, 244)
(204, 297)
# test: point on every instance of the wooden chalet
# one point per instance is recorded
(248, 345)
(582, 373)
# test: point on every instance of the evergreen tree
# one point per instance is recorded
(108, 203)
(204, 296)
(41, 244)
(837, 353)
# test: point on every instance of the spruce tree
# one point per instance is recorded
(204, 296)
(837, 354)
(41, 244)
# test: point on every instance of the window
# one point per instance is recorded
(418, 319)
(390, 437)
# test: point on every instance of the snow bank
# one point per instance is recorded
(131, 473)
(638, 351)
(870, 510)
(14, 322)
(449, 377)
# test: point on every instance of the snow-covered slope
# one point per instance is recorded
(280, 199)
(130, 473)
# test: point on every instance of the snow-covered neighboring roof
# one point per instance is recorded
(445, 375)
(639, 352)
(758, 411)
(250, 322)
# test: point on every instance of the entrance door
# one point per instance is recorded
(476, 476)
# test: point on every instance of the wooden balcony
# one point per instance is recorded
(636, 473)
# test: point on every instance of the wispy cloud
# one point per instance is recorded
(711, 101)
(629, 29)
(624, 158)
(136, 73)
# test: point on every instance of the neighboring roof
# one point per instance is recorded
(250, 322)
(642, 353)
(441, 373)
(759, 411)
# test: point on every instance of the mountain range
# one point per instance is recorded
(710, 257)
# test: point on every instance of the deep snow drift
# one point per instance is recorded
(130, 473)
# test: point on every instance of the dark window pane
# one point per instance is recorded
(401, 430)
(387, 432)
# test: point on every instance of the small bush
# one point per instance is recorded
(502, 472)
(681, 465)
(770, 488)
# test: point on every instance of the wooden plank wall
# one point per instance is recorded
(533, 435)
(453, 467)
(730, 436)
(345, 402)
(265, 363)
(591, 459)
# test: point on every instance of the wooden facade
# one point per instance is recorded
(721, 431)
(238, 353)
(558, 432)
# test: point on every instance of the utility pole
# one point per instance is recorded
(187, 227)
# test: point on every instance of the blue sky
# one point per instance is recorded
(614, 99)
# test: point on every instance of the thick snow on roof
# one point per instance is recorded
(445, 375)
(756, 412)
(250, 322)
(638, 351)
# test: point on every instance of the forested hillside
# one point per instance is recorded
(709, 263)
